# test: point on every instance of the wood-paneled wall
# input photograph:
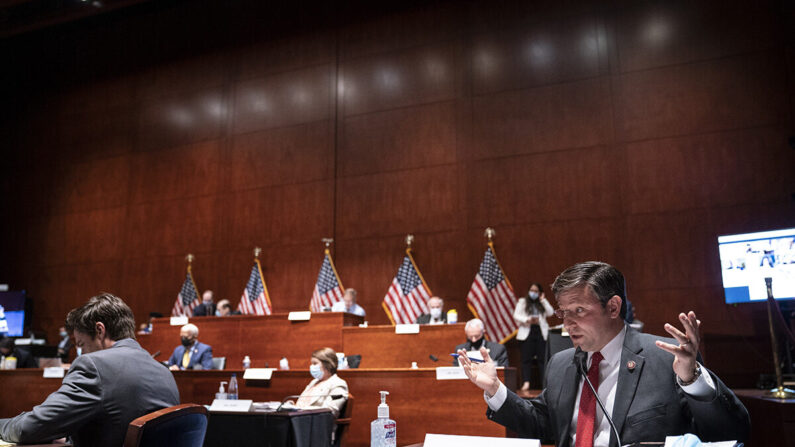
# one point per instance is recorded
(629, 132)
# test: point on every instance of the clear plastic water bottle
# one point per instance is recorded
(246, 362)
(231, 392)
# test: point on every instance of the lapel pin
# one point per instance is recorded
(631, 365)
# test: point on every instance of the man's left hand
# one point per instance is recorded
(686, 353)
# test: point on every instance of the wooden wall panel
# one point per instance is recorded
(631, 133)
(554, 117)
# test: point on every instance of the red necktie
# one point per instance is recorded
(586, 418)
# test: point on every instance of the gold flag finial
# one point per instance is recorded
(409, 240)
(190, 258)
(327, 241)
(489, 233)
(257, 251)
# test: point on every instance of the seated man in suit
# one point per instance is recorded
(191, 354)
(207, 306)
(112, 383)
(225, 309)
(9, 349)
(348, 304)
(436, 314)
(651, 386)
(64, 344)
(476, 340)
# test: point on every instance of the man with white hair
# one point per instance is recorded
(476, 332)
(191, 354)
(436, 314)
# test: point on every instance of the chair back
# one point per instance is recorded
(219, 362)
(179, 426)
(344, 421)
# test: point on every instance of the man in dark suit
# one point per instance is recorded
(652, 387)
(112, 383)
(191, 354)
(207, 306)
(436, 314)
(476, 340)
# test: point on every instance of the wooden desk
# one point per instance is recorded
(417, 401)
(380, 347)
(266, 339)
(772, 420)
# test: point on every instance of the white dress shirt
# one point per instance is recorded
(608, 383)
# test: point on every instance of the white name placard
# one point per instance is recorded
(258, 373)
(407, 329)
(434, 440)
(179, 321)
(450, 373)
(304, 315)
(237, 405)
(53, 372)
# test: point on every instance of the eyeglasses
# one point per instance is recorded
(578, 312)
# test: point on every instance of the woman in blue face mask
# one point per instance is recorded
(531, 315)
(326, 390)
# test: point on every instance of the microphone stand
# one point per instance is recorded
(581, 358)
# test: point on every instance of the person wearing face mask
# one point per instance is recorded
(191, 354)
(531, 315)
(436, 314)
(114, 382)
(65, 345)
(326, 390)
(476, 339)
(207, 306)
(8, 349)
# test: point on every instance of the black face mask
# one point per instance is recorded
(477, 344)
(186, 341)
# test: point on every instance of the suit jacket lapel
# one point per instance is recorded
(566, 398)
(627, 380)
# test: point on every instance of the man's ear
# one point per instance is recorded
(614, 306)
(99, 327)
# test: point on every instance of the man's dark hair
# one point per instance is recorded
(108, 309)
(7, 343)
(603, 279)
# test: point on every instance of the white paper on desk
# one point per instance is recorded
(450, 373)
(236, 405)
(433, 440)
(407, 328)
(670, 441)
(53, 372)
(179, 321)
(258, 373)
(303, 315)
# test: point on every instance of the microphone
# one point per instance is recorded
(581, 361)
(433, 357)
(154, 356)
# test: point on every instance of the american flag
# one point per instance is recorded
(491, 298)
(408, 294)
(255, 299)
(187, 299)
(328, 289)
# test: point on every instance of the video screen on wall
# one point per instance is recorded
(12, 313)
(747, 259)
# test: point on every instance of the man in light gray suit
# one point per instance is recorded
(112, 383)
(651, 386)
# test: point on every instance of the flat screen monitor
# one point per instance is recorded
(747, 259)
(12, 313)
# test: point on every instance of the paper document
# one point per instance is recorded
(434, 440)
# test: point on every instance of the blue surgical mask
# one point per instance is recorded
(217, 313)
(533, 295)
(316, 371)
(63, 334)
(79, 351)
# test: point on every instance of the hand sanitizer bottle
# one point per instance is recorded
(383, 430)
(221, 394)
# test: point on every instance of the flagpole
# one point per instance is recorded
(257, 251)
(190, 259)
(328, 241)
(409, 240)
